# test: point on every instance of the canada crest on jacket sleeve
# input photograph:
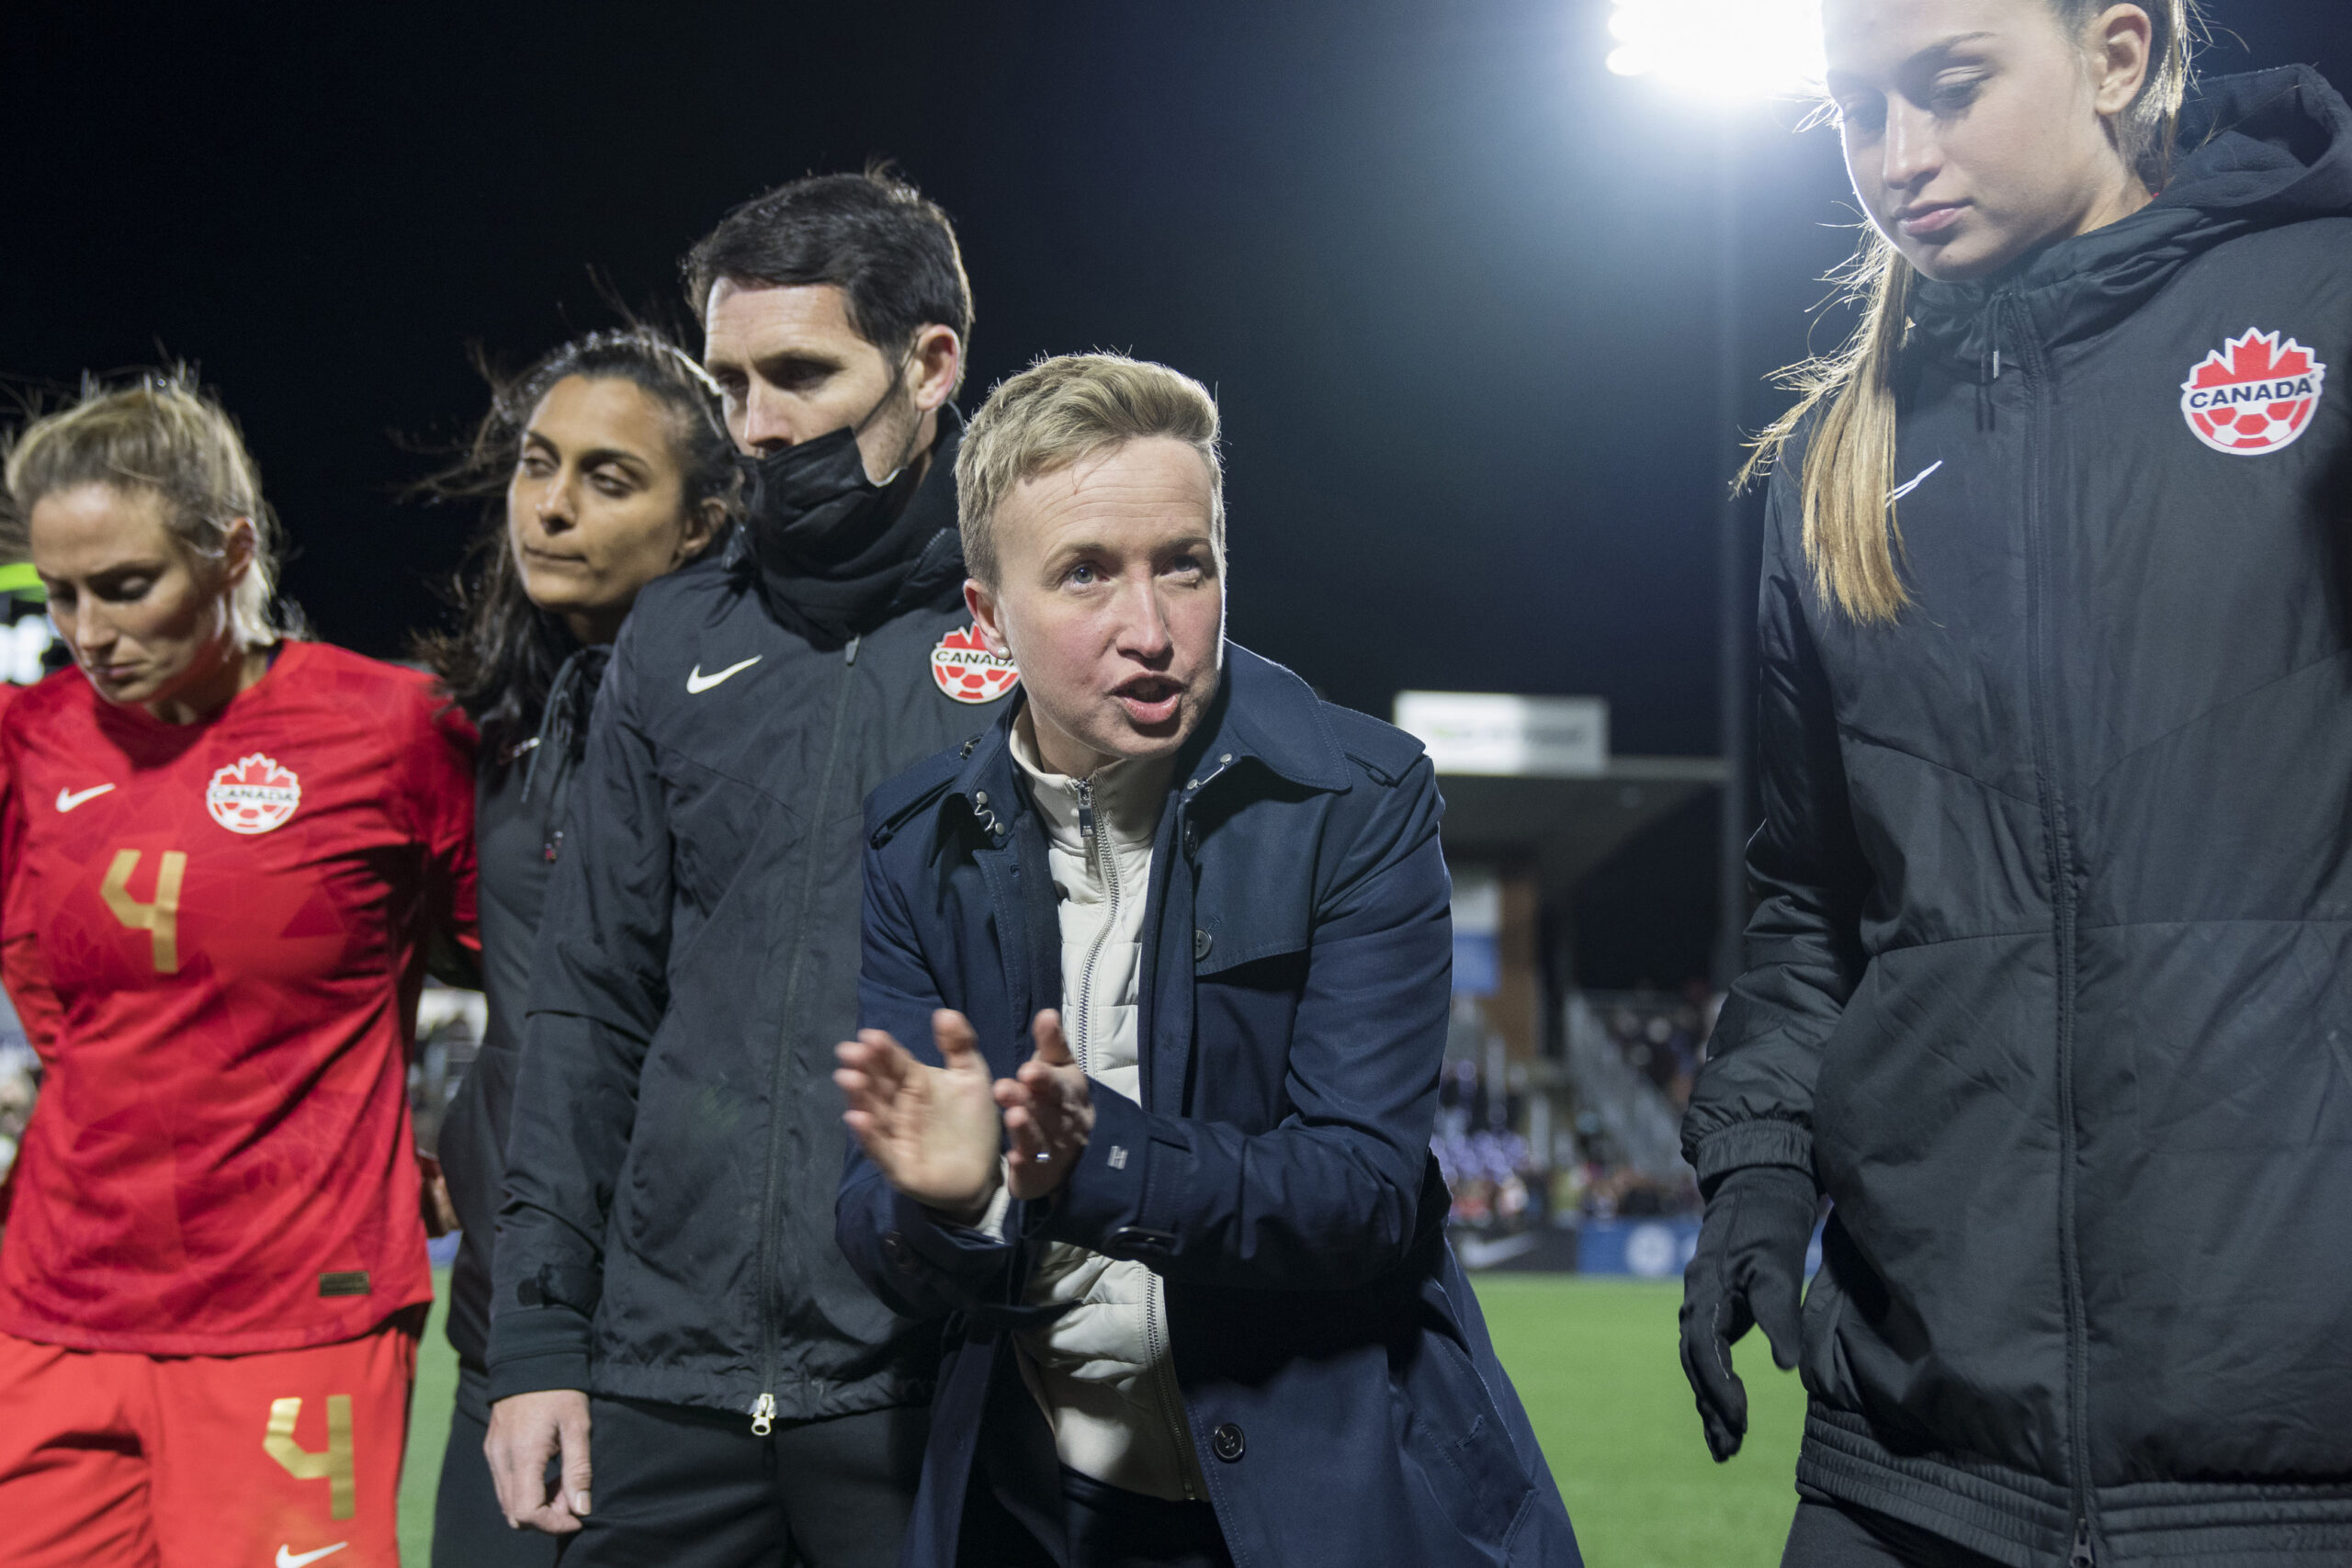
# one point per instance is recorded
(2253, 395)
(967, 672)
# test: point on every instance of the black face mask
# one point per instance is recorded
(832, 546)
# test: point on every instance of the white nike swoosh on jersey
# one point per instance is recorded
(288, 1560)
(697, 682)
(67, 799)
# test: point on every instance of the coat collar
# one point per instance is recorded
(1263, 714)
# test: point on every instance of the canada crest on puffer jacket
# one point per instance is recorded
(2253, 395)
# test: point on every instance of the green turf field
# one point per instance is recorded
(1595, 1362)
(437, 1390)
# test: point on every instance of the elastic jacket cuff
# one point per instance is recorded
(1745, 1144)
(535, 1348)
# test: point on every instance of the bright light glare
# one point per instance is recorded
(1720, 49)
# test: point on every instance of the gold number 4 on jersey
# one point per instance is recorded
(159, 918)
(332, 1465)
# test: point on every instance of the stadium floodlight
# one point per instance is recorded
(1727, 53)
(1724, 50)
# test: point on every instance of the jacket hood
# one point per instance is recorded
(2278, 141)
(2255, 151)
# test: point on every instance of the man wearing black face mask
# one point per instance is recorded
(668, 1301)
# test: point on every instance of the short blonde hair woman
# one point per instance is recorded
(1063, 410)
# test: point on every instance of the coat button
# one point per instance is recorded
(1228, 1442)
(1192, 840)
(1202, 942)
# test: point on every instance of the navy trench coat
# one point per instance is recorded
(1344, 1401)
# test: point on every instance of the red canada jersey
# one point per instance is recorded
(215, 934)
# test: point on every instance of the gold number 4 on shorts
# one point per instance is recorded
(333, 1465)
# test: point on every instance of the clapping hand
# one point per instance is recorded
(932, 1132)
(1048, 1110)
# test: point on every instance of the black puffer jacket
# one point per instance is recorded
(668, 1233)
(2051, 983)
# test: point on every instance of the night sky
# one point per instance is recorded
(1453, 282)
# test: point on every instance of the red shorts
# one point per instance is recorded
(111, 1458)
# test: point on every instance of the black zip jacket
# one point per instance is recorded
(668, 1232)
(2052, 982)
(518, 815)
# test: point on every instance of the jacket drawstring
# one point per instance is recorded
(1988, 370)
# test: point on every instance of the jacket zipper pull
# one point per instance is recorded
(849, 658)
(1086, 810)
(2080, 1556)
(764, 1419)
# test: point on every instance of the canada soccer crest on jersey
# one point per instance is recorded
(967, 672)
(2253, 395)
(253, 795)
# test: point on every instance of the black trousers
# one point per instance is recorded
(468, 1531)
(1103, 1527)
(1832, 1535)
(689, 1488)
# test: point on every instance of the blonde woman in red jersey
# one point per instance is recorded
(226, 854)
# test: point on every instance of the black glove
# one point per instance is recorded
(1749, 1271)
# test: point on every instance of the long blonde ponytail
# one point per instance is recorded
(1851, 535)
(1846, 401)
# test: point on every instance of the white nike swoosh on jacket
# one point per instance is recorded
(697, 681)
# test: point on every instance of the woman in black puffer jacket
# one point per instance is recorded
(606, 466)
(2049, 991)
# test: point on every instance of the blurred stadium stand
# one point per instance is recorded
(1559, 1108)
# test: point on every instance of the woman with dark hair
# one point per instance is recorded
(608, 468)
(2050, 985)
